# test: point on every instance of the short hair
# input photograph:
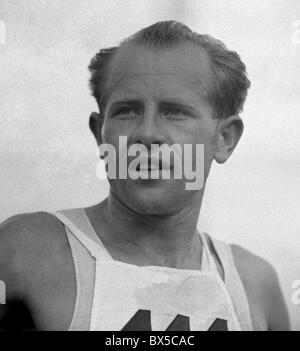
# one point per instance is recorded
(229, 83)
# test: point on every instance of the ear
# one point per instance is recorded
(96, 123)
(229, 133)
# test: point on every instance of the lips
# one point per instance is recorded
(153, 163)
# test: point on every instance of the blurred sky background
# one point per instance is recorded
(48, 155)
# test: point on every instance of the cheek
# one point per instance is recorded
(113, 129)
(111, 132)
(209, 148)
(206, 136)
(196, 133)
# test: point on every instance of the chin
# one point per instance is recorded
(154, 199)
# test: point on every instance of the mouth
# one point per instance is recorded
(152, 164)
(150, 168)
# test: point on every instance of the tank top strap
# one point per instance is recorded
(84, 265)
(208, 264)
(85, 247)
(78, 224)
(233, 283)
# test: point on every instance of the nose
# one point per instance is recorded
(150, 129)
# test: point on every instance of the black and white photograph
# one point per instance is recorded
(149, 168)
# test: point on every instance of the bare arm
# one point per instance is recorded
(276, 308)
(263, 290)
(37, 266)
(15, 313)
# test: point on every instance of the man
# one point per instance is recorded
(136, 261)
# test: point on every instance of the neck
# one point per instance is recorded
(170, 240)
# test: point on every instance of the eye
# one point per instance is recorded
(174, 112)
(126, 111)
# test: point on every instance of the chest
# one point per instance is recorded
(53, 296)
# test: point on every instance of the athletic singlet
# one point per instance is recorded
(113, 295)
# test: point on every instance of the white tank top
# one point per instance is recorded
(113, 295)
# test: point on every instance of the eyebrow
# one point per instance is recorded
(126, 102)
(168, 102)
(176, 103)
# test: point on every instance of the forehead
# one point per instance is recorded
(182, 68)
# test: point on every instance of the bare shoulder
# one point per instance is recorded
(263, 289)
(27, 246)
(253, 268)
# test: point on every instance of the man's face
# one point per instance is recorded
(159, 97)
